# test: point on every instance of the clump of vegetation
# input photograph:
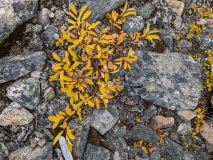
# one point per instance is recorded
(87, 70)
(146, 147)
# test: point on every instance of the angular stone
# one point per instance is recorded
(103, 120)
(14, 13)
(155, 155)
(148, 113)
(81, 133)
(142, 132)
(170, 80)
(187, 156)
(176, 6)
(170, 149)
(14, 67)
(120, 156)
(184, 128)
(168, 40)
(15, 114)
(25, 91)
(49, 35)
(96, 153)
(133, 24)
(100, 8)
(44, 18)
(186, 115)
(207, 131)
(206, 41)
(158, 122)
(44, 153)
(64, 148)
(146, 10)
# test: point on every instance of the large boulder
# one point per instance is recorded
(170, 80)
(14, 13)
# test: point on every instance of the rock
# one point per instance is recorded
(44, 18)
(185, 45)
(44, 153)
(25, 91)
(14, 67)
(103, 120)
(186, 115)
(133, 24)
(15, 114)
(120, 156)
(155, 155)
(206, 41)
(96, 153)
(170, 80)
(207, 131)
(187, 2)
(148, 113)
(142, 132)
(209, 148)
(36, 74)
(168, 40)
(170, 149)
(184, 128)
(48, 95)
(132, 100)
(100, 8)
(81, 133)
(176, 6)
(65, 151)
(177, 22)
(54, 106)
(187, 156)
(14, 13)
(120, 131)
(146, 10)
(159, 122)
(48, 36)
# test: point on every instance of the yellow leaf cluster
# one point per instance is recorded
(198, 121)
(146, 147)
(117, 18)
(162, 135)
(205, 11)
(209, 73)
(61, 119)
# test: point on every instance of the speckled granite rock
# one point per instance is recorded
(100, 8)
(170, 80)
(133, 24)
(14, 13)
(44, 153)
(25, 91)
(14, 67)
(15, 114)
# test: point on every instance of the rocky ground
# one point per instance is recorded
(157, 104)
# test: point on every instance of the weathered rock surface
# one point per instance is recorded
(44, 153)
(96, 153)
(158, 122)
(15, 114)
(176, 6)
(81, 133)
(207, 131)
(103, 120)
(170, 80)
(148, 113)
(206, 41)
(25, 91)
(64, 148)
(133, 24)
(184, 128)
(186, 115)
(50, 35)
(14, 13)
(146, 10)
(100, 8)
(142, 132)
(13, 67)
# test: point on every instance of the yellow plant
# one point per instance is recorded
(146, 147)
(118, 18)
(86, 70)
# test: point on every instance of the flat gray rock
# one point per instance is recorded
(100, 8)
(133, 24)
(39, 152)
(142, 132)
(15, 114)
(206, 41)
(96, 153)
(170, 80)
(14, 13)
(14, 67)
(25, 91)
(103, 120)
(146, 10)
